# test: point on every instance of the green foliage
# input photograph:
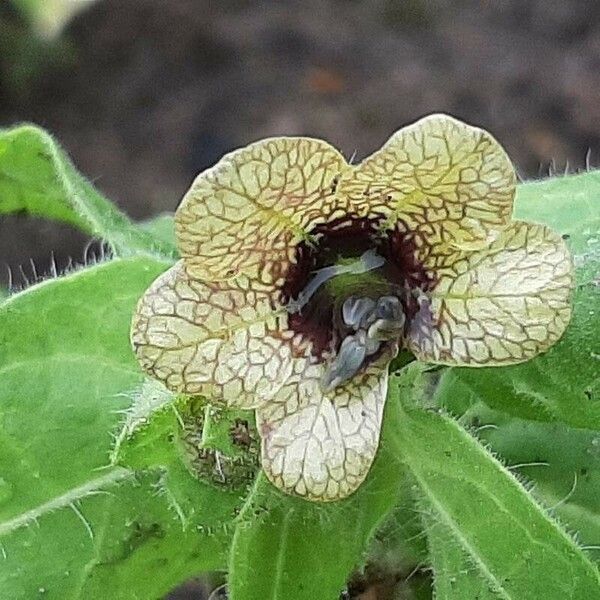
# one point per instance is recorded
(161, 228)
(510, 541)
(562, 463)
(110, 487)
(38, 179)
(570, 205)
(48, 17)
(286, 547)
(455, 576)
(546, 417)
(71, 524)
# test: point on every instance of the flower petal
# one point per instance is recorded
(501, 305)
(247, 213)
(321, 445)
(448, 182)
(200, 338)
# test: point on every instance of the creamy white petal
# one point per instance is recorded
(321, 445)
(220, 339)
(497, 306)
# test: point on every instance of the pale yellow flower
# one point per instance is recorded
(302, 275)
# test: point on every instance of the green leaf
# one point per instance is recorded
(550, 387)
(38, 179)
(569, 205)
(71, 524)
(562, 464)
(145, 437)
(397, 555)
(455, 575)
(400, 545)
(161, 227)
(103, 542)
(286, 548)
(49, 17)
(514, 546)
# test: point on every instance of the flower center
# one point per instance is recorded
(352, 292)
(372, 323)
(369, 261)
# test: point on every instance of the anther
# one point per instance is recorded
(374, 323)
(347, 362)
(355, 311)
(386, 329)
(389, 307)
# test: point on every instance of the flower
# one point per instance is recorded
(302, 275)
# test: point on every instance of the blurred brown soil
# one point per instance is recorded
(145, 93)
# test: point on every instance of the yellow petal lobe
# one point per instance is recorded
(450, 183)
(246, 215)
(212, 339)
(501, 305)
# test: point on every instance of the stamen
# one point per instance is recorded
(384, 330)
(351, 355)
(355, 310)
(390, 324)
(389, 307)
(373, 323)
(322, 275)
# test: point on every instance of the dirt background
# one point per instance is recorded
(144, 94)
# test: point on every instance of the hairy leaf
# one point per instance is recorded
(569, 205)
(37, 178)
(562, 463)
(455, 575)
(191, 442)
(161, 227)
(72, 525)
(513, 544)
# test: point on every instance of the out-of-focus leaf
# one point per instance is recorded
(400, 544)
(49, 17)
(162, 228)
(37, 178)
(398, 555)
